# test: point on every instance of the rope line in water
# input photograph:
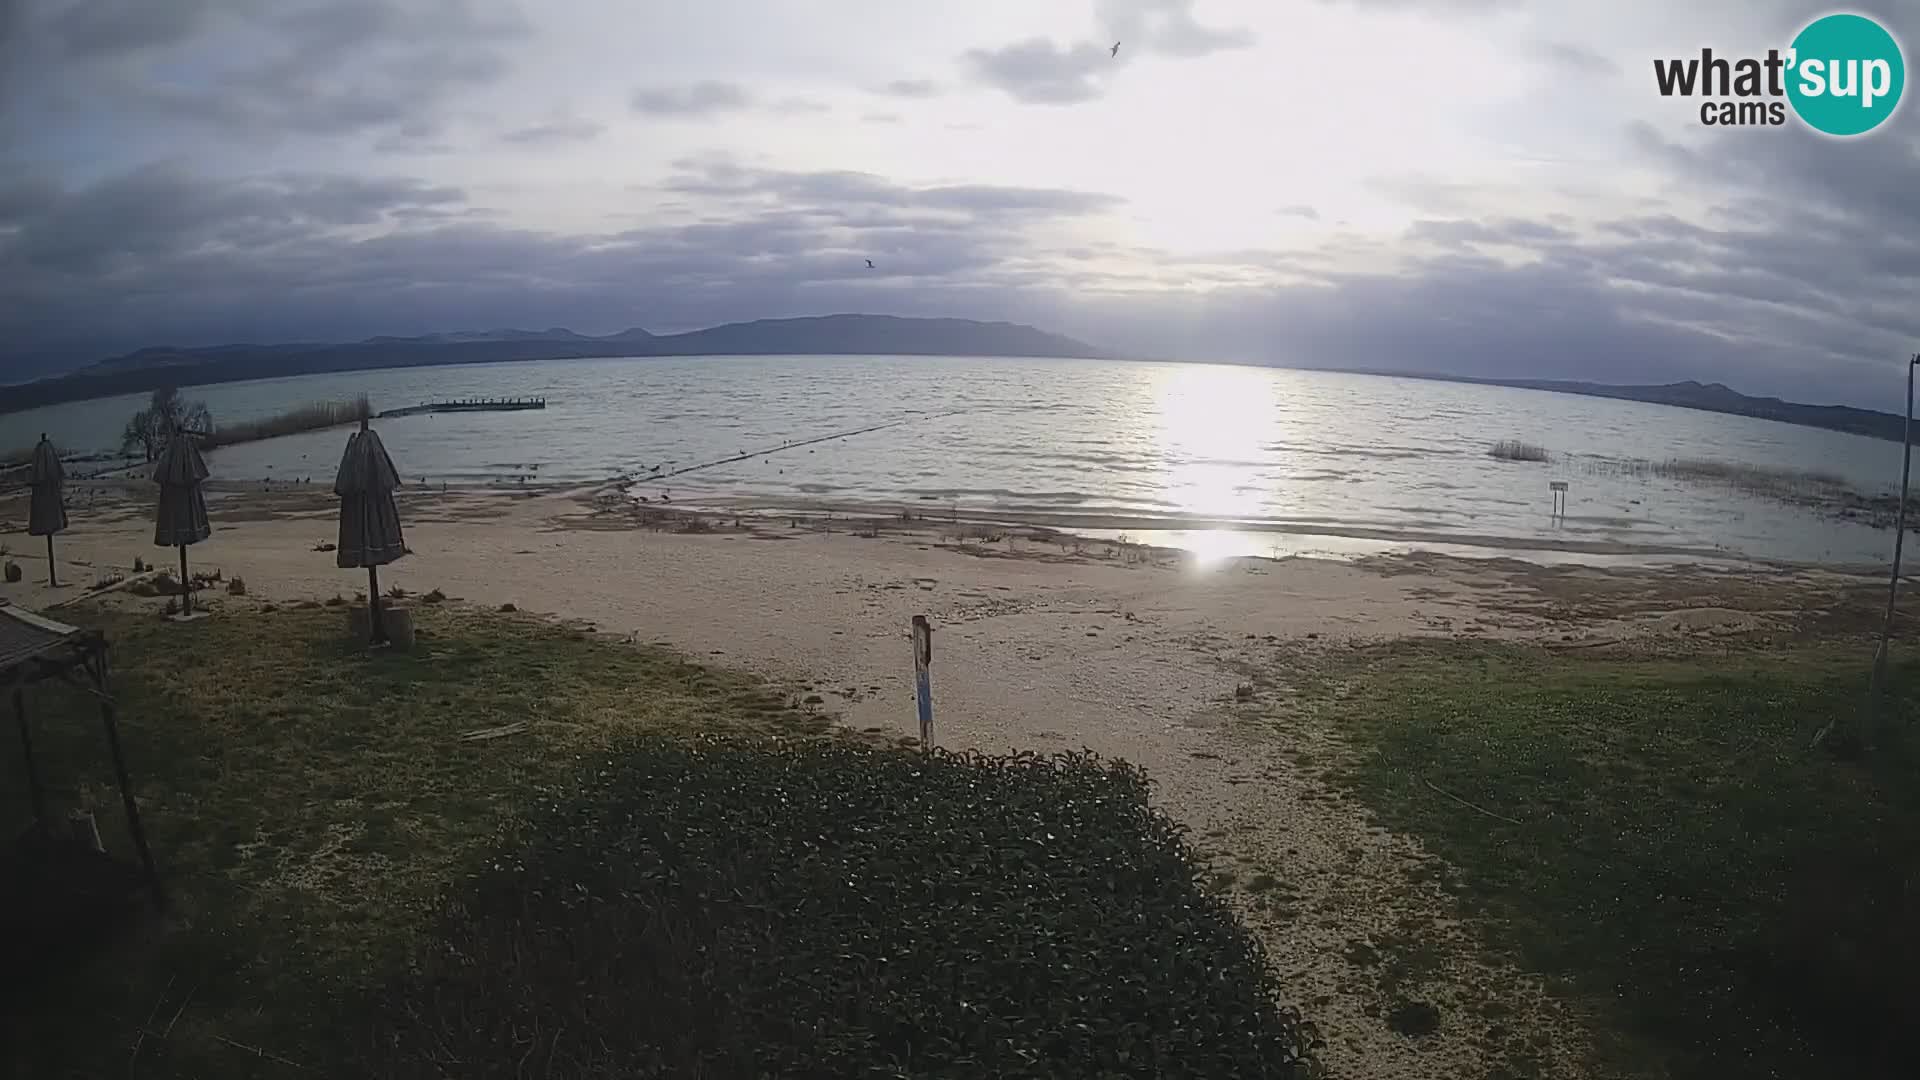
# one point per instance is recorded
(794, 445)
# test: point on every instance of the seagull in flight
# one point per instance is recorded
(869, 264)
(1115, 51)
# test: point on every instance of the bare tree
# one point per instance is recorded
(149, 429)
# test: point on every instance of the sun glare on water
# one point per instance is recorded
(1216, 428)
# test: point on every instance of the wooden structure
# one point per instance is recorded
(35, 649)
(1559, 489)
(468, 405)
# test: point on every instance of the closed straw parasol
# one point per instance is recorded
(48, 511)
(369, 520)
(181, 518)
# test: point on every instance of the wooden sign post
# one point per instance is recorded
(922, 679)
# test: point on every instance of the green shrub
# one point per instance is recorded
(832, 910)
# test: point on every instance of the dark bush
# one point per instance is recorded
(238, 586)
(831, 910)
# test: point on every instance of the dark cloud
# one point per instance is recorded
(698, 99)
(415, 136)
(288, 257)
(1039, 72)
(274, 67)
(1468, 234)
(555, 132)
(90, 29)
(158, 213)
(911, 88)
(1576, 58)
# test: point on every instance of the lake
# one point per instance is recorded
(1220, 459)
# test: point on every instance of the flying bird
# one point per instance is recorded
(869, 264)
(1115, 51)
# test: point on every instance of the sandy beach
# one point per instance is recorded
(1041, 643)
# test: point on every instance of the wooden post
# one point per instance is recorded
(922, 679)
(53, 580)
(1877, 681)
(99, 670)
(186, 587)
(34, 789)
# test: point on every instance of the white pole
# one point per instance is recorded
(922, 679)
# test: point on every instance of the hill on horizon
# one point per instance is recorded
(842, 334)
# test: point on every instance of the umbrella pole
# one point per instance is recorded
(53, 580)
(186, 587)
(374, 621)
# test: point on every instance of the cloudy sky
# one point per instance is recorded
(1477, 186)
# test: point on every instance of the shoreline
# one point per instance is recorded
(1224, 537)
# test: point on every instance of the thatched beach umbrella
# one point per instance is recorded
(369, 520)
(47, 513)
(182, 515)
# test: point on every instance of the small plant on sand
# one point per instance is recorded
(434, 596)
(336, 600)
(237, 587)
(12, 572)
(1243, 692)
(396, 593)
(139, 565)
(172, 608)
(1515, 450)
(508, 608)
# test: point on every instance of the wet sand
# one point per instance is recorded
(1041, 643)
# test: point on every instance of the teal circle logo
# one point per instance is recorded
(1846, 74)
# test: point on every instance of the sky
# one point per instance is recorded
(1479, 187)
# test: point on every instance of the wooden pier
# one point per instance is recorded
(468, 405)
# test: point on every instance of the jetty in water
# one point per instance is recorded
(469, 405)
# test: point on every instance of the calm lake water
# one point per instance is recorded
(1217, 458)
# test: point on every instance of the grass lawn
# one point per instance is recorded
(608, 892)
(1656, 832)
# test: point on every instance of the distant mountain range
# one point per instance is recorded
(1707, 397)
(151, 368)
(148, 369)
